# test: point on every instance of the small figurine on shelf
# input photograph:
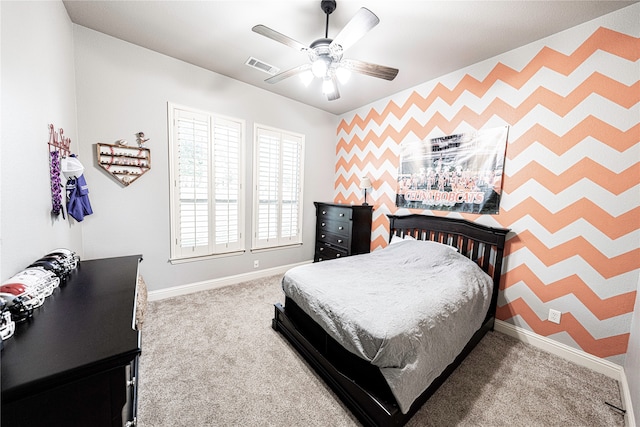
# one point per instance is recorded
(141, 139)
(121, 142)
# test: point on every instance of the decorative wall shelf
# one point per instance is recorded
(125, 164)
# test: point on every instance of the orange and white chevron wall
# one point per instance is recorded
(571, 192)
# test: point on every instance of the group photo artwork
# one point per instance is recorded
(460, 172)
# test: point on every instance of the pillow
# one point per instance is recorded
(395, 239)
(451, 248)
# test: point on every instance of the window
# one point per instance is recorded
(207, 195)
(278, 159)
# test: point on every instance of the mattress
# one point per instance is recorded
(408, 309)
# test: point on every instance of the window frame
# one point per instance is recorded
(258, 244)
(211, 249)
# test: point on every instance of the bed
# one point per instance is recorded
(361, 321)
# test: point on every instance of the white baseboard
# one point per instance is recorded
(626, 396)
(611, 370)
(218, 283)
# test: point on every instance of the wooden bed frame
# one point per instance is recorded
(359, 384)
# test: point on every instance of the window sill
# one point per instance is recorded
(204, 257)
(275, 248)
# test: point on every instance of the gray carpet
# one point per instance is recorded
(212, 359)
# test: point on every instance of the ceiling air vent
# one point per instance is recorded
(262, 66)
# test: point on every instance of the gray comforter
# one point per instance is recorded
(409, 309)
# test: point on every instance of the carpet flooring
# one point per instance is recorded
(212, 359)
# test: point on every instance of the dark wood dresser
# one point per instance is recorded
(75, 362)
(342, 230)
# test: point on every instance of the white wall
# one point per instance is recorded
(123, 89)
(38, 88)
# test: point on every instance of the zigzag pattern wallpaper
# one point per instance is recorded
(571, 192)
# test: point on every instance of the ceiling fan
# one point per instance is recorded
(325, 54)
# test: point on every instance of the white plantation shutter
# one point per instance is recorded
(268, 168)
(291, 188)
(278, 185)
(227, 141)
(206, 194)
(192, 137)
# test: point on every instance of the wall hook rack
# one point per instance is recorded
(61, 145)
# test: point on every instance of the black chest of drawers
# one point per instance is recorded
(342, 230)
(75, 363)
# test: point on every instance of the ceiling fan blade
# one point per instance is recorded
(280, 38)
(288, 73)
(369, 69)
(335, 93)
(360, 24)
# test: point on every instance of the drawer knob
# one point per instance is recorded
(324, 212)
(319, 259)
(341, 228)
(323, 224)
(323, 236)
(131, 382)
(321, 249)
(341, 214)
(337, 255)
(339, 240)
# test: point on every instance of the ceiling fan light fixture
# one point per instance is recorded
(306, 78)
(327, 86)
(320, 67)
(343, 74)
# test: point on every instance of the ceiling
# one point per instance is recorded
(423, 39)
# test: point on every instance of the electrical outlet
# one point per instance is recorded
(256, 263)
(554, 316)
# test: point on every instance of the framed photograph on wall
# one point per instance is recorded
(460, 172)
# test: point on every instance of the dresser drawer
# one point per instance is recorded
(334, 227)
(334, 212)
(325, 252)
(334, 240)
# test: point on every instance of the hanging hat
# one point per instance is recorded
(71, 167)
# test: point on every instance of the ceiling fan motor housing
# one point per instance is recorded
(322, 49)
(328, 6)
